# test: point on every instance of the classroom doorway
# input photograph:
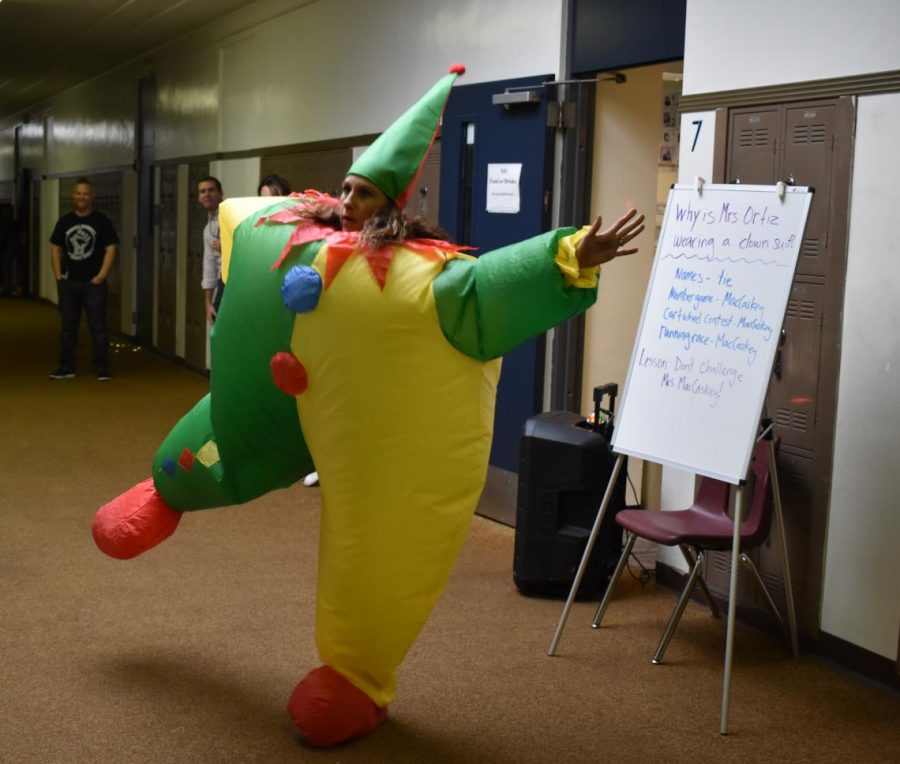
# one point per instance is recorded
(636, 149)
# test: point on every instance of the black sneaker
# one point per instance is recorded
(103, 376)
(62, 374)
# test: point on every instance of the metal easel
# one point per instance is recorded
(740, 500)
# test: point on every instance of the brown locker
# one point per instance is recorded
(809, 161)
(753, 144)
(804, 144)
(168, 277)
(793, 390)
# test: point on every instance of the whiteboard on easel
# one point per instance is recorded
(710, 326)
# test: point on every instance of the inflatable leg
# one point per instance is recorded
(134, 522)
(184, 478)
(328, 710)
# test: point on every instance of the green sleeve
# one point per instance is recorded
(489, 306)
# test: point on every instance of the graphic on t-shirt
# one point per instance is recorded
(80, 241)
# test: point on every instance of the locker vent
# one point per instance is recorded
(794, 420)
(749, 137)
(810, 247)
(809, 133)
(802, 309)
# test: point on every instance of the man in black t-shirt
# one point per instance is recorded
(82, 250)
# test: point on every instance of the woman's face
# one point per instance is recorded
(266, 191)
(360, 199)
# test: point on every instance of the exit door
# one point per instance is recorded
(477, 135)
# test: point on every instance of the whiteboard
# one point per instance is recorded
(710, 327)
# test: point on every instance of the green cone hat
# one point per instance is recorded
(393, 162)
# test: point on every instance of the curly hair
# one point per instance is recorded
(389, 225)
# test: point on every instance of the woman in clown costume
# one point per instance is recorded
(344, 328)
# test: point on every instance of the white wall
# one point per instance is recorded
(349, 67)
(321, 71)
(732, 45)
(862, 586)
(239, 177)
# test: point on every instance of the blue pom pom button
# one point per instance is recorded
(301, 289)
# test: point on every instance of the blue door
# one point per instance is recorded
(475, 135)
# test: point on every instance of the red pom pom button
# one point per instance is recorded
(288, 373)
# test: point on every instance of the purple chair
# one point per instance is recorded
(703, 527)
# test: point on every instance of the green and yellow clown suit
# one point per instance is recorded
(381, 368)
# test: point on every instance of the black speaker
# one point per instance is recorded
(565, 465)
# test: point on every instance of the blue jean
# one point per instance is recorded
(73, 295)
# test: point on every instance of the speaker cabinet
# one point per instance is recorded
(565, 464)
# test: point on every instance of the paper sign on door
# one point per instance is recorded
(503, 188)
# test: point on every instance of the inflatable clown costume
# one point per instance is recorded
(314, 329)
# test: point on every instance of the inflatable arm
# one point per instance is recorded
(489, 306)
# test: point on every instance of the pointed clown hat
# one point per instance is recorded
(395, 160)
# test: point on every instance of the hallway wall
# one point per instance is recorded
(318, 72)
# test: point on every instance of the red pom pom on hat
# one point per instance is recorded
(459, 69)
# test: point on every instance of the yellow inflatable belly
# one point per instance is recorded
(399, 423)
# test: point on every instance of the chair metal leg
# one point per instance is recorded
(679, 609)
(689, 558)
(630, 538)
(748, 563)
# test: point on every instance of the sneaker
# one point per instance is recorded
(103, 376)
(62, 374)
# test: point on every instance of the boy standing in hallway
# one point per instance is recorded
(82, 251)
(210, 195)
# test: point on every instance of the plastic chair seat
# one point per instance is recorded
(686, 526)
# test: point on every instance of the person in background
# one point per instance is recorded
(274, 185)
(82, 251)
(210, 196)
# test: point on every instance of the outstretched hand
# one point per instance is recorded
(599, 247)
